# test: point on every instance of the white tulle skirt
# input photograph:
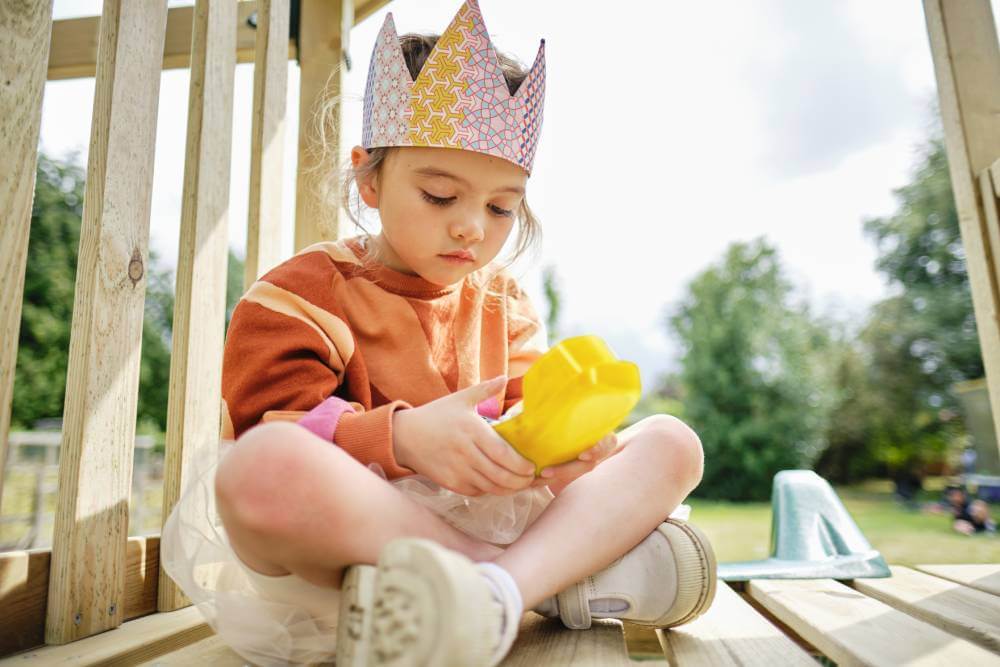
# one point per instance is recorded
(287, 620)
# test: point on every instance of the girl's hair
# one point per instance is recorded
(336, 183)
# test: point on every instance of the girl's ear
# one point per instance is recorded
(368, 183)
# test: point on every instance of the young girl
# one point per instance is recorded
(368, 509)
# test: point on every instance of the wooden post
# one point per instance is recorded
(200, 307)
(321, 59)
(25, 30)
(267, 143)
(963, 43)
(87, 576)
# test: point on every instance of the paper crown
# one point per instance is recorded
(460, 99)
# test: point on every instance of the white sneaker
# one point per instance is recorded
(668, 579)
(423, 605)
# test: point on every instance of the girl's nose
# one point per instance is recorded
(469, 228)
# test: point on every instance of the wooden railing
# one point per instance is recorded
(95, 577)
(963, 41)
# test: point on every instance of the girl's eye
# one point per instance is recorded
(502, 212)
(444, 201)
(437, 201)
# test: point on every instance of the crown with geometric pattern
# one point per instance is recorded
(460, 98)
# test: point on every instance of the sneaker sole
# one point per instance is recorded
(357, 598)
(702, 556)
(420, 607)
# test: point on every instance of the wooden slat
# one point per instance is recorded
(24, 41)
(853, 629)
(200, 305)
(134, 642)
(990, 208)
(74, 41)
(322, 70)
(966, 58)
(24, 585)
(209, 651)
(960, 610)
(983, 576)
(267, 143)
(731, 632)
(540, 642)
(546, 641)
(86, 584)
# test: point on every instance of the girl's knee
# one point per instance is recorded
(680, 445)
(254, 480)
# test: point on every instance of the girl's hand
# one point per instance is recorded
(449, 442)
(558, 476)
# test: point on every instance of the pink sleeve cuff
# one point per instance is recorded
(323, 419)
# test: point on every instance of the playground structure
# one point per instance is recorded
(98, 596)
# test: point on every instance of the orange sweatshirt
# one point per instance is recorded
(338, 347)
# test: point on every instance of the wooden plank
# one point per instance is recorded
(267, 143)
(322, 69)
(984, 576)
(731, 632)
(24, 585)
(86, 583)
(24, 41)
(853, 629)
(966, 58)
(209, 651)
(193, 408)
(546, 641)
(962, 611)
(136, 641)
(989, 192)
(74, 41)
(540, 641)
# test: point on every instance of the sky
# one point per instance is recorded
(669, 132)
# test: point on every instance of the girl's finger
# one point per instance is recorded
(599, 450)
(570, 471)
(501, 453)
(496, 475)
(484, 485)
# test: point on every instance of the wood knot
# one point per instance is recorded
(135, 268)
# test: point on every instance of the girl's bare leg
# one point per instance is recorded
(604, 513)
(291, 502)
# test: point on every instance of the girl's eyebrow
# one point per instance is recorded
(434, 171)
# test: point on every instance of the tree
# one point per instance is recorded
(915, 344)
(756, 377)
(47, 307)
(921, 254)
(550, 283)
(47, 311)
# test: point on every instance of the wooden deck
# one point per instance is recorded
(929, 615)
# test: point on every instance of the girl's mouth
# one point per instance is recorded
(459, 258)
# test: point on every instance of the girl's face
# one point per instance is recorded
(445, 212)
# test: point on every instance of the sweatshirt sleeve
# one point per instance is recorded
(286, 355)
(526, 341)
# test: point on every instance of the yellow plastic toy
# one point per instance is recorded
(574, 395)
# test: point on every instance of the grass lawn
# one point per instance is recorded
(741, 531)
